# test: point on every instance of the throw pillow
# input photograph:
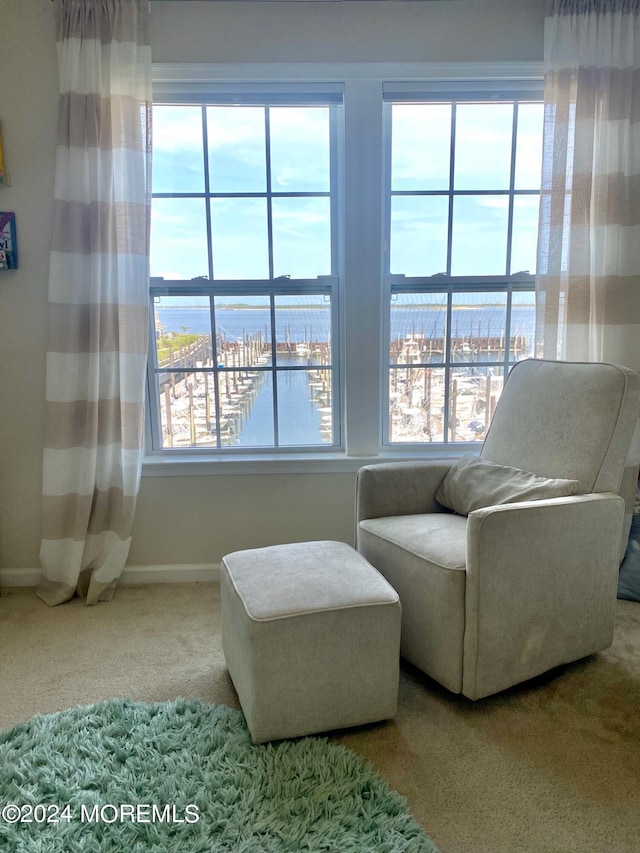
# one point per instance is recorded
(473, 483)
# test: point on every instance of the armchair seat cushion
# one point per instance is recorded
(423, 557)
(438, 538)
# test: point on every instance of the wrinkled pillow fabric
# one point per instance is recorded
(473, 483)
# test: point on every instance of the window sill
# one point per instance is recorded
(186, 465)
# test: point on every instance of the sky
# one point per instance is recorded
(299, 162)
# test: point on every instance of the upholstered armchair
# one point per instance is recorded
(526, 580)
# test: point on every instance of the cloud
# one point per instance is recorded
(177, 129)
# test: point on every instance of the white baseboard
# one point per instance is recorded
(19, 577)
(193, 573)
(188, 573)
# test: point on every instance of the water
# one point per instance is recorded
(298, 325)
(299, 421)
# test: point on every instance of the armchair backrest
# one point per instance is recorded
(566, 419)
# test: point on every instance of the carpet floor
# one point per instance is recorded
(552, 766)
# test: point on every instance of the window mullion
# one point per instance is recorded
(509, 331)
(267, 140)
(274, 370)
(207, 191)
(448, 362)
(216, 374)
(452, 165)
(363, 224)
(512, 181)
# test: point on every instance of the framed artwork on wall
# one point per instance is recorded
(2, 169)
(8, 242)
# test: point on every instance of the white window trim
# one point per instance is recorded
(362, 295)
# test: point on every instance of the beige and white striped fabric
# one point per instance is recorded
(98, 297)
(588, 283)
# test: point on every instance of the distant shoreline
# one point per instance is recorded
(241, 307)
(412, 306)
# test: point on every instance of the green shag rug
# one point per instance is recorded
(185, 777)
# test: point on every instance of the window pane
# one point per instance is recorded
(483, 146)
(479, 235)
(178, 161)
(478, 323)
(183, 331)
(243, 330)
(524, 240)
(303, 330)
(301, 237)
(237, 158)
(529, 147)
(418, 328)
(419, 235)
(239, 237)
(187, 409)
(178, 238)
(304, 410)
(321, 391)
(473, 397)
(247, 408)
(421, 146)
(416, 401)
(300, 159)
(523, 322)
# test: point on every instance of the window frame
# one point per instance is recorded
(263, 95)
(450, 92)
(361, 298)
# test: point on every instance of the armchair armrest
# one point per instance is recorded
(399, 488)
(541, 587)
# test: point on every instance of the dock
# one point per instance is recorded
(196, 413)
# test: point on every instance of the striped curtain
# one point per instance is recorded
(588, 283)
(98, 297)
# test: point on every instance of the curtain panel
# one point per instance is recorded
(588, 284)
(588, 280)
(98, 297)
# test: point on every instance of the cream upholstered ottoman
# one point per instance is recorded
(311, 636)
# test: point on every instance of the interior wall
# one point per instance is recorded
(194, 519)
(28, 115)
(364, 31)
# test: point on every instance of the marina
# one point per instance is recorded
(231, 403)
(244, 394)
(430, 403)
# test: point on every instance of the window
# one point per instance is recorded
(244, 280)
(346, 266)
(463, 180)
